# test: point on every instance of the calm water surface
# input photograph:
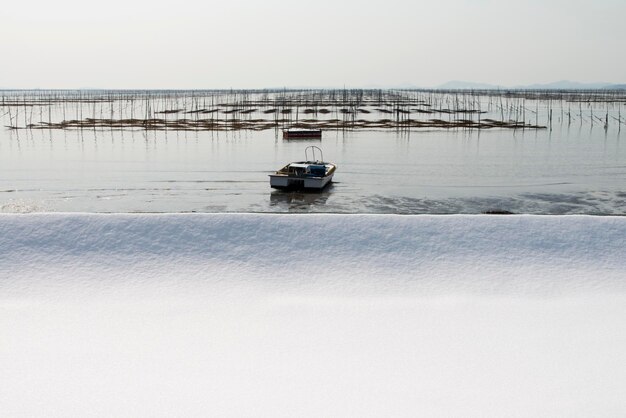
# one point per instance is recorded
(576, 169)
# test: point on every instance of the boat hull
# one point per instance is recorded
(281, 181)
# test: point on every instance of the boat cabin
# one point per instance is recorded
(304, 169)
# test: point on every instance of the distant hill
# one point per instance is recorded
(556, 85)
(565, 85)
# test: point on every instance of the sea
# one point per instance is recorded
(575, 165)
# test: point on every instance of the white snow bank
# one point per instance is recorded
(314, 315)
(315, 252)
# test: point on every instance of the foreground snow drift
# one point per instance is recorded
(320, 253)
(273, 315)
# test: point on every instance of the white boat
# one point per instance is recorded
(309, 174)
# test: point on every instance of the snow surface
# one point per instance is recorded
(312, 315)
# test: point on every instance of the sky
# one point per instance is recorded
(322, 43)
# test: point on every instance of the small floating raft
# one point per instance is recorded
(297, 133)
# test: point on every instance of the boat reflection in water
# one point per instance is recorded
(301, 199)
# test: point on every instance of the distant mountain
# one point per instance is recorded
(557, 85)
(565, 85)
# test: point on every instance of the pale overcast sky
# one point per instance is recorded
(320, 43)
